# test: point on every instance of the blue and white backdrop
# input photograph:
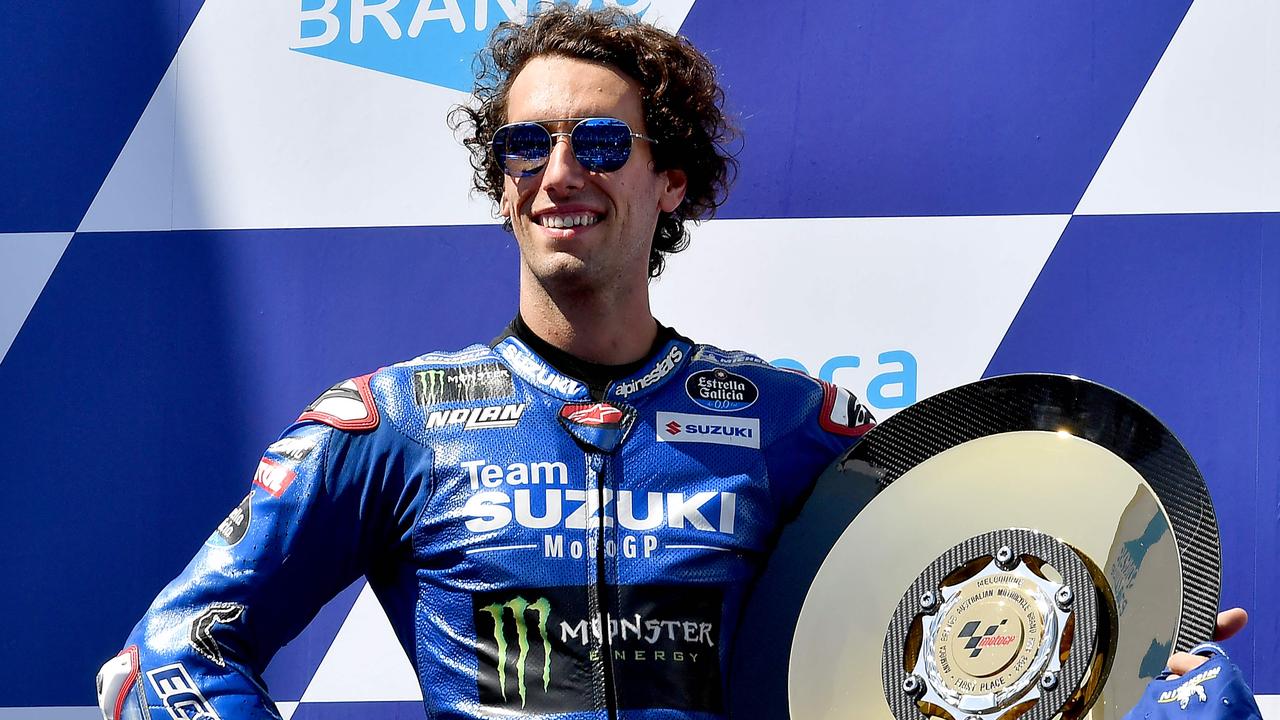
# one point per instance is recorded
(211, 211)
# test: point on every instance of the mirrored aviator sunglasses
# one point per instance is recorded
(599, 144)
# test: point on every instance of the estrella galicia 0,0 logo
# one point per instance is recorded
(721, 390)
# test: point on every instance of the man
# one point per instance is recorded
(564, 522)
(567, 521)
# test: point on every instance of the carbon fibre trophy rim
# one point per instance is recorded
(1085, 409)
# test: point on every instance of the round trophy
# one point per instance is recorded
(1027, 546)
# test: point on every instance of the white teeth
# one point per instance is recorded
(568, 221)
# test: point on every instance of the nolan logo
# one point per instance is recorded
(683, 427)
(479, 418)
(1193, 687)
(659, 371)
(721, 390)
(432, 41)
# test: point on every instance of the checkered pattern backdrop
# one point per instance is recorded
(211, 211)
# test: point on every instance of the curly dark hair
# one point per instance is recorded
(683, 104)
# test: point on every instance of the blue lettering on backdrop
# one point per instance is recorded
(891, 388)
(433, 41)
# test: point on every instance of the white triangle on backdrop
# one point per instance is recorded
(1204, 135)
(944, 289)
(365, 661)
(253, 134)
(26, 262)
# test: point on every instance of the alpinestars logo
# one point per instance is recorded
(521, 611)
(596, 414)
(987, 639)
(478, 418)
(659, 371)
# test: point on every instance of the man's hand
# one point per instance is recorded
(1229, 623)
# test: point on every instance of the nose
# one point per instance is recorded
(563, 172)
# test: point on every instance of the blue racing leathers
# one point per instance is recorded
(537, 550)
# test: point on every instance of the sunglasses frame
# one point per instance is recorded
(551, 143)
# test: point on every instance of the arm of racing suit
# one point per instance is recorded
(828, 421)
(332, 497)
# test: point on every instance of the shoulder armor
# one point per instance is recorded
(709, 354)
(348, 405)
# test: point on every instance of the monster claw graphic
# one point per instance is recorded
(519, 607)
(496, 611)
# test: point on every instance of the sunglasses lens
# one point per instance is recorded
(602, 144)
(522, 149)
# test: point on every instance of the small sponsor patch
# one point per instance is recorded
(181, 697)
(842, 414)
(595, 414)
(232, 530)
(721, 390)
(599, 425)
(274, 477)
(718, 430)
(347, 406)
(471, 383)
(201, 635)
(477, 418)
(1193, 687)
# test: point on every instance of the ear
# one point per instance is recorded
(677, 182)
(504, 207)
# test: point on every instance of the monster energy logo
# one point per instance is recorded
(462, 384)
(520, 608)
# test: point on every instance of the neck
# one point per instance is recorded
(592, 325)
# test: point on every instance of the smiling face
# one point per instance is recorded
(580, 230)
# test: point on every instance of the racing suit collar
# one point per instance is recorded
(601, 380)
(657, 370)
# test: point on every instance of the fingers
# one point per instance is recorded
(1183, 663)
(1230, 622)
